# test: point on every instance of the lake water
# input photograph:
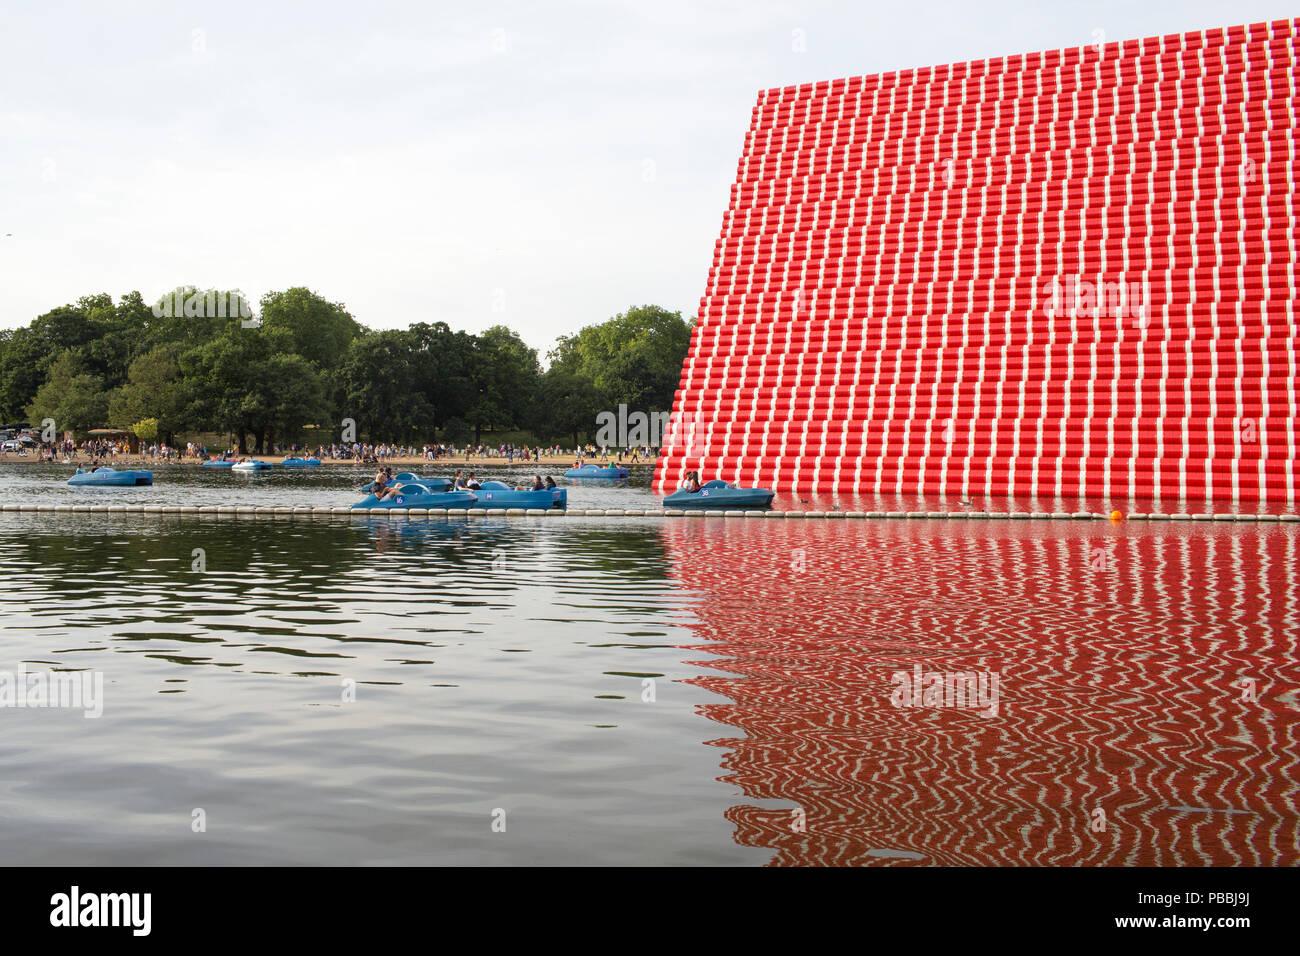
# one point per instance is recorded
(327, 486)
(338, 486)
(641, 690)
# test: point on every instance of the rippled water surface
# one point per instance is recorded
(338, 486)
(329, 486)
(684, 691)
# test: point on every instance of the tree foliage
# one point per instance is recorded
(73, 398)
(146, 429)
(634, 359)
(193, 363)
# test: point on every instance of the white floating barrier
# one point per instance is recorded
(320, 511)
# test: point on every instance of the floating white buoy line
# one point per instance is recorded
(282, 511)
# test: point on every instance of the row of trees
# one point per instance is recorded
(197, 362)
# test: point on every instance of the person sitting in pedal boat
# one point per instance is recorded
(379, 488)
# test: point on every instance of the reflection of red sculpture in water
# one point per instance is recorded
(1126, 661)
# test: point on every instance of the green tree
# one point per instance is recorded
(295, 393)
(636, 357)
(187, 365)
(503, 381)
(248, 381)
(146, 429)
(73, 398)
(383, 387)
(32, 350)
(6, 337)
(567, 403)
(320, 331)
(155, 389)
(442, 369)
(186, 316)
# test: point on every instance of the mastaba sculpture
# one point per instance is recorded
(1059, 274)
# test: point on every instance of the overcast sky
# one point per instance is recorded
(539, 164)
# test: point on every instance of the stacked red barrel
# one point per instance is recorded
(1054, 274)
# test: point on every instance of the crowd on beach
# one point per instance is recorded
(101, 450)
(104, 450)
(379, 453)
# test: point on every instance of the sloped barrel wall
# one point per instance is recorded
(1053, 274)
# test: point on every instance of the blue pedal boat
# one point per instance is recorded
(411, 494)
(219, 463)
(253, 464)
(596, 471)
(111, 477)
(300, 462)
(719, 494)
(498, 494)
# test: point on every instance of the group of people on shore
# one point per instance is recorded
(511, 452)
(634, 455)
(101, 449)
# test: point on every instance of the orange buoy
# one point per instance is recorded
(1116, 516)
